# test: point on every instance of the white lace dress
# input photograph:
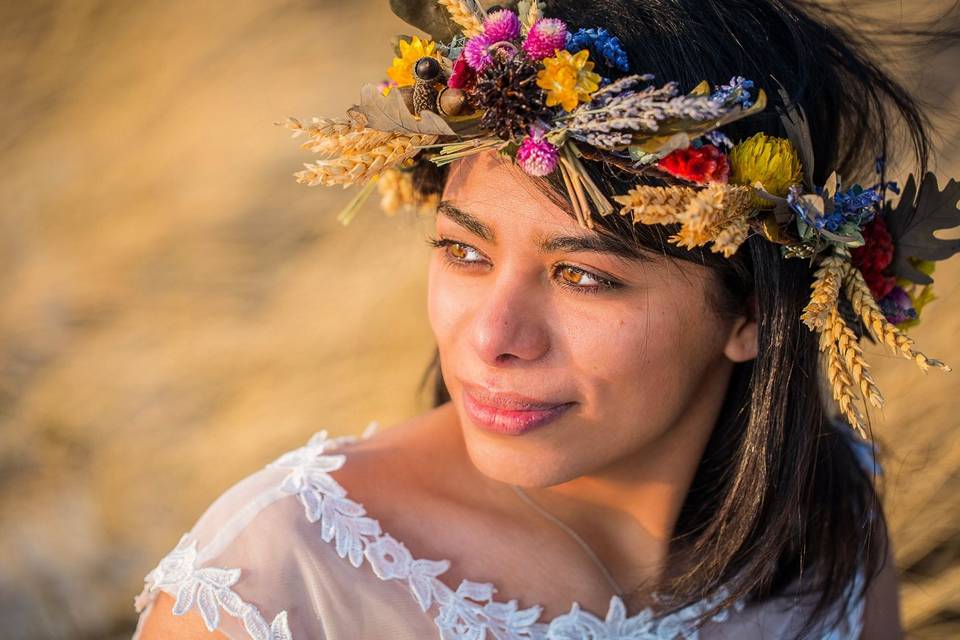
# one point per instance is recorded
(287, 554)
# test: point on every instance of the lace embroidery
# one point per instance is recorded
(470, 612)
(207, 588)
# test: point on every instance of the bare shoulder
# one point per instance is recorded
(161, 623)
(881, 617)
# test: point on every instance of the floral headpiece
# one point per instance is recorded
(529, 87)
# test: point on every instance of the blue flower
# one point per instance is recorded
(738, 85)
(601, 43)
(857, 202)
(855, 205)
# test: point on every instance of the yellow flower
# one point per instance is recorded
(773, 162)
(568, 79)
(401, 71)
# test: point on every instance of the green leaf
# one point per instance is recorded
(917, 215)
(852, 237)
(389, 113)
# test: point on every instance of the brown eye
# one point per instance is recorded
(572, 275)
(457, 251)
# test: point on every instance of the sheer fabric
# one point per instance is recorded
(286, 554)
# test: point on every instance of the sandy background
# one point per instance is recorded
(176, 311)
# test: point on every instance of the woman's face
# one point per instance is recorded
(523, 302)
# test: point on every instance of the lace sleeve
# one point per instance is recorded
(211, 567)
(267, 559)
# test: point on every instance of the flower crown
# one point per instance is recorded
(532, 89)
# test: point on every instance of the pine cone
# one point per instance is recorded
(509, 95)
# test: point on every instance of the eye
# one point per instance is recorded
(455, 252)
(574, 278)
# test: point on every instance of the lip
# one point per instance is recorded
(509, 413)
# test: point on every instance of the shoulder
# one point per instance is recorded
(287, 537)
(235, 569)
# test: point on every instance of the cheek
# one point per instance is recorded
(658, 351)
(446, 303)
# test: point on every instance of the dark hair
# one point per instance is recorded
(779, 490)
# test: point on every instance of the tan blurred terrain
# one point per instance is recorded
(177, 311)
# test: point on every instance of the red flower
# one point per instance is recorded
(463, 76)
(704, 164)
(874, 256)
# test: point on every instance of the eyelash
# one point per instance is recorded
(605, 283)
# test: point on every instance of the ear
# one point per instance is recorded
(742, 340)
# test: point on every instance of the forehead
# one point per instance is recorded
(493, 189)
(494, 200)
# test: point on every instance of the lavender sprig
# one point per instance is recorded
(621, 109)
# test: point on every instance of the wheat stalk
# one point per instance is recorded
(535, 13)
(654, 205)
(876, 322)
(716, 213)
(337, 136)
(350, 143)
(709, 211)
(358, 168)
(845, 369)
(398, 193)
(320, 127)
(828, 279)
(729, 239)
(464, 15)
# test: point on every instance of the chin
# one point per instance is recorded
(531, 460)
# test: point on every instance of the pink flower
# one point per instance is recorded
(536, 156)
(501, 25)
(476, 53)
(545, 36)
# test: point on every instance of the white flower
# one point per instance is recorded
(207, 588)
(391, 559)
(310, 470)
(257, 627)
(516, 623)
(459, 618)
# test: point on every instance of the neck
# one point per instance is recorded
(627, 510)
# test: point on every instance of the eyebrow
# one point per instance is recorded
(593, 243)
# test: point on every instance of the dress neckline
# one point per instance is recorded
(470, 610)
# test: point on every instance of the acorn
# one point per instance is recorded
(450, 102)
(427, 72)
(427, 69)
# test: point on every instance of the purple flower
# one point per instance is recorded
(536, 156)
(501, 25)
(477, 54)
(545, 36)
(897, 307)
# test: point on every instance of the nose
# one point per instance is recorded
(510, 323)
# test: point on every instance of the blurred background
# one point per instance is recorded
(177, 311)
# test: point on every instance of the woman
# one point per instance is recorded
(629, 439)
